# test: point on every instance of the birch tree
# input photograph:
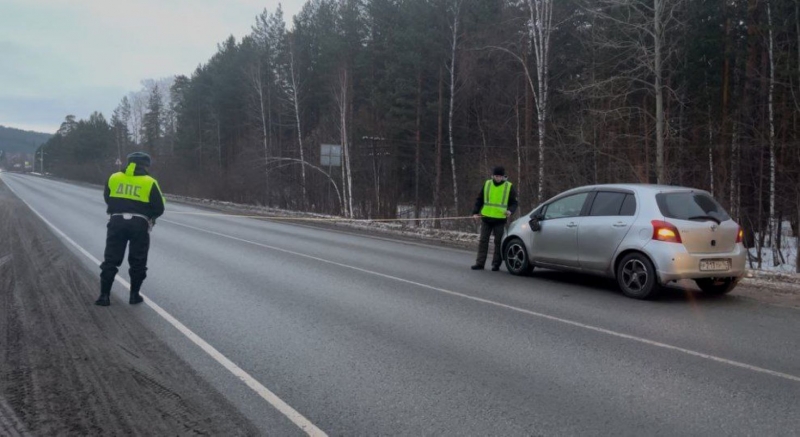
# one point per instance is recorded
(541, 29)
(773, 224)
(342, 104)
(452, 70)
(261, 96)
(294, 98)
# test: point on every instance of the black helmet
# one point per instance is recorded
(499, 171)
(139, 158)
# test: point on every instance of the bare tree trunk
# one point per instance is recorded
(658, 6)
(725, 122)
(417, 206)
(797, 30)
(343, 82)
(710, 139)
(438, 163)
(376, 177)
(268, 143)
(773, 225)
(484, 145)
(296, 101)
(199, 140)
(710, 151)
(519, 148)
(528, 135)
(734, 180)
(452, 69)
(541, 29)
(254, 76)
(760, 216)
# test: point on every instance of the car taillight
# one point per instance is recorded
(663, 231)
(740, 235)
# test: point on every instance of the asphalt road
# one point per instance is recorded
(368, 336)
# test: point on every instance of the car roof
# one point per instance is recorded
(639, 188)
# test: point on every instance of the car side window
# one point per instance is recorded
(570, 206)
(629, 205)
(607, 203)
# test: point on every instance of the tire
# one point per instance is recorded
(516, 257)
(716, 286)
(636, 277)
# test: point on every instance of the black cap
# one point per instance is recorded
(499, 171)
(139, 158)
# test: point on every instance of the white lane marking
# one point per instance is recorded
(513, 308)
(251, 382)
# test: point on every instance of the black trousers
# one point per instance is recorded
(119, 233)
(487, 229)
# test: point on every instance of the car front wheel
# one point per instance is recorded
(637, 277)
(516, 256)
(717, 286)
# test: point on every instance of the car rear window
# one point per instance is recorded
(688, 205)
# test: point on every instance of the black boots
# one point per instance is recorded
(105, 297)
(135, 298)
(136, 285)
(105, 294)
(480, 267)
(103, 300)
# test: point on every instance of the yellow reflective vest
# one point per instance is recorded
(495, 199)
(127, 186)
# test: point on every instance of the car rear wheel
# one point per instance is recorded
(717, 286)
(516, 256)
(637, 277)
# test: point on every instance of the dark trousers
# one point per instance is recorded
(487, 229)
(120, 232)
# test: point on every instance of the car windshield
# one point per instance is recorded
(689, 205)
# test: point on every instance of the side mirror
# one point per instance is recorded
(535, 223)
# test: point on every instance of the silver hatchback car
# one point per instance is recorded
(644, 236)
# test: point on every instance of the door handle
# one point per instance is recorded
(619, 225)
(572, 225)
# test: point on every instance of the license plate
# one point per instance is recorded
(715, 265)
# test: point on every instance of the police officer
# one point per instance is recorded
(134, 202)
(495, 203)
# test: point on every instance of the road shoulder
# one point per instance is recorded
(69, 367)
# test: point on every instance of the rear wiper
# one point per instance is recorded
(706, 217)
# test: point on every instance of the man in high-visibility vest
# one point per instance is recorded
(134, 202)
(495, 203)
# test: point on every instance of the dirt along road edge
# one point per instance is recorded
(69, 367)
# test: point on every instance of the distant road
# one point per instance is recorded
(368, 336)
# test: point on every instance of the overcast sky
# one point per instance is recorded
(60, 57)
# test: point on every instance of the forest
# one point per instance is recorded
(400, 108)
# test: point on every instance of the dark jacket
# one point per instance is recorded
(512, 204)
(153, 209)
